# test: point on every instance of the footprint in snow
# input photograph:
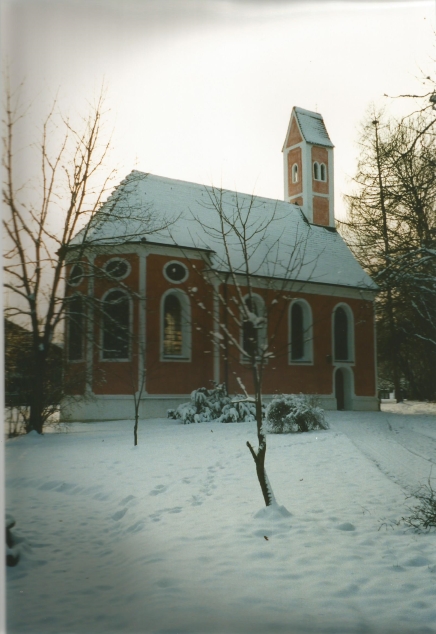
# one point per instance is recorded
(160, 488)
(119, 515)
(346, 526)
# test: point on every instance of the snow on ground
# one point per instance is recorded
(172, 536)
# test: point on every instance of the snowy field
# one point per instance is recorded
(172, 536)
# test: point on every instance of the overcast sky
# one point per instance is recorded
(202, 90)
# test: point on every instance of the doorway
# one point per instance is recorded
(343, 385)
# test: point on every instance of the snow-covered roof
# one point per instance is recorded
(312, 127)
(285, 246)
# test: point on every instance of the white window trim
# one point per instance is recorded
(294, 173)
(122, 277)
(82, 266)
(308, 333)
(175, 281)
(102, 300)
(351, 351)
(323, 180)
(315, 169)
(186, 355)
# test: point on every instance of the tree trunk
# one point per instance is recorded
(135, 429)
(37, 396)
(259, 456)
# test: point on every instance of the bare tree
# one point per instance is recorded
(251, 271)
(40, 221)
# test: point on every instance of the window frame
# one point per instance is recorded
(294, 174)
(102, 330)
(117, 259)
(308, 358)
(350, 335)
(81, 278)
(186, 356)
(166, 276)
(316, 171)
(323, 173)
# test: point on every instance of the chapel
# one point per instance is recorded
(152, 277)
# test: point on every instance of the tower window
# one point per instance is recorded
(323, 172)
(316, 171)
(295, 173)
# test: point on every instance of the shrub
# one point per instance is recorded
(214, 405)
(294, 413)
(423, 516)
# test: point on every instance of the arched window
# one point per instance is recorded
(116, 326)
(76, 322)
(300, 327)
(343, 333)
(323, 172)
(254, 328)
(295, 173)
(176, 329)
(316, 171)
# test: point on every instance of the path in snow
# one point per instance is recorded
(401, 441)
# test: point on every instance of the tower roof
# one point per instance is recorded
(312, 127)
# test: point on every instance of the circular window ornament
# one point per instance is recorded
(76, 275)
(176, 272)
(117, 268)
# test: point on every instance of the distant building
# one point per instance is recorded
(154, 307)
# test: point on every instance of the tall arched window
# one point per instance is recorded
(116, 326)
(323, 172)
(343, 334)
(254, 328)
(175, 326)
(295, 173)
(316, 171)
(76, 322)
(300, 327)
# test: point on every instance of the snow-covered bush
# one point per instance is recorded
(294, 413)
(214, 405)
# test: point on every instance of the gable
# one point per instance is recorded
(312, 127)
(293, 136)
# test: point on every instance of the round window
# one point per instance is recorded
(117, 268)
(76, 275)
(176, 272)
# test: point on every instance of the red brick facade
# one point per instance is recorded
(180, 377)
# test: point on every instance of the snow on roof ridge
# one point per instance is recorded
(167, 180)
(312, 127)
(312, 113)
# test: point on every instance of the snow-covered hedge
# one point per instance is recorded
(294, 413)
(214, 405)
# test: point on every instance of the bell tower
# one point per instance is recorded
(308, 167)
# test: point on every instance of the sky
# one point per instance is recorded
(202, 90)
